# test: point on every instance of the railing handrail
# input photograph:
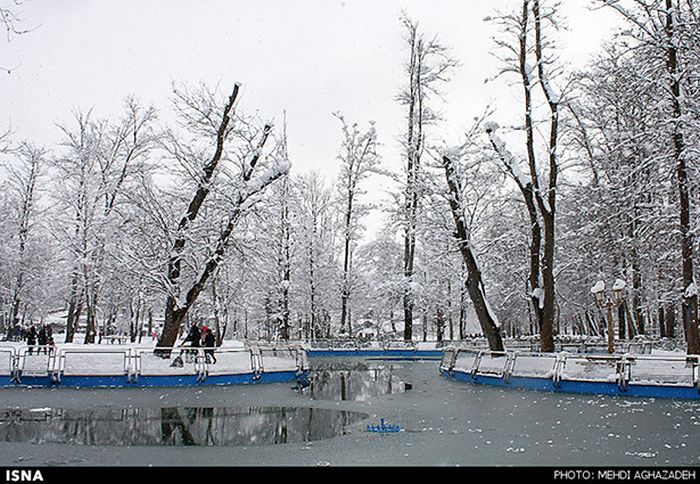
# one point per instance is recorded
(20, 358)
(669, 357)
(60, 358)
(132, 357)
(623, 363)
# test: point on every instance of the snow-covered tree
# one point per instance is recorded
(23, 180)
(429, 66)
(463, 214)
(358, 160)
(98, 162)
(231, 173)
(665, 34)
(528, 52)
(317, 248)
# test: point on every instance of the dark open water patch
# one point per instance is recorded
(175, 426)
(354, 381)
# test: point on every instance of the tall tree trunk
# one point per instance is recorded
(474, 282)
(670, 320)
(413, 145)
(286, 271)
(285, 256)
(345, 290)
(548, 209)
(150, 322)
(690, 297)
(315, 324)
(630, 319)
(463, 304)
(636, 299)
(540, 201)
(529, 190)
(621, 323)
(91, 321)
(440, 323)
(74, 308)
(174, 313)
(450, 319)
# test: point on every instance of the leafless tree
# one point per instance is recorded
(428, 67)
(668, 29)
(358, 160)
(198, 113)
(474, 284)
(23, 178)
(528, 53)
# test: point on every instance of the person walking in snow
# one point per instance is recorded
(17, 333)
(51, 345)
(31, 338)
(203, 333)
(42, 338)
(193, 337)
(209, 342)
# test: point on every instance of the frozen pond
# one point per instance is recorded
(444, 423)
(208, 426)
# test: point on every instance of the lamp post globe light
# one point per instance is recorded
(618, 287)
(602, 299)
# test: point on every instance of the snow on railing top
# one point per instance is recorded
(134, 361)
(588, 345)
(667, 370)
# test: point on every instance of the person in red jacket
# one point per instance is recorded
(203, 333)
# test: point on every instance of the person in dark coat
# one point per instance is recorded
(31, 338)
(193, 337)
(209, 342)
(42, 338)
(51, 345)
(17, 333)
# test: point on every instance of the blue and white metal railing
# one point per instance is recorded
(37, 365)
(643, 375)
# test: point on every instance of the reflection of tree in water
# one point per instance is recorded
(358, 383)
(207, 426)
(264, 425)
(171, 422)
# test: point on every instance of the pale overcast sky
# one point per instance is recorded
(308, 57)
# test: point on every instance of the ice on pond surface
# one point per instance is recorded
(442, 423)
(175, 426)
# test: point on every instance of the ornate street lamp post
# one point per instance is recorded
(598, 290)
